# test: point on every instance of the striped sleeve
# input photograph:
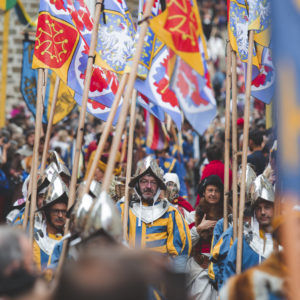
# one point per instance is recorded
(218, 231)
(179, 237)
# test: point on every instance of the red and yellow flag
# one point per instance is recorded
(56, 41)
(179, 28)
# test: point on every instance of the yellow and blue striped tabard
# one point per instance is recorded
(218, 231)
(169, 234)
(218, 257)
(40, 257)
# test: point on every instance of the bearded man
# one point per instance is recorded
(153, 222)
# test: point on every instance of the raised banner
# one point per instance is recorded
(178, 26)
(156, 87)
(65, 102)
(61, 45)
(194, 93)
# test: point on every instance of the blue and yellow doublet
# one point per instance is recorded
(168, 234)
(218, 257)
(55, 255)
(40, 257)
(249, 259)
(218, 231)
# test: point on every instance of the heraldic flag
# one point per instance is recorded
(154, 109)
(260, 21)
(194, 92)
(179, 28)
(156, 88)
(99, 110)
(65, 102)
(152, 44)
(115, 35)
(255, 16)
(238, 31)
(60, 46)
(84, 23)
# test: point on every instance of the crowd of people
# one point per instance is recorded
(175, 211)
(175, 245)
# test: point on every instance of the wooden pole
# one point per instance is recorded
(27, 203)
(169, 122)
(86, 89)
(105, 132)
(42, 73)
(50, 124)
(244, 155)
(124, 146)
(79, 138)
(180, 141)
(234, 146)
(33, 162)
(269, 109)
(4, 68)
(45, 78)
(129, 162)
(227, 135)
(127, 96)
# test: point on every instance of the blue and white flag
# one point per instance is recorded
(155, 110)
(98, 110)
(194, 93)
(116, 35)
(156, 87)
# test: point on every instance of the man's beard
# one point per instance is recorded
(149, 199)
(59, 228)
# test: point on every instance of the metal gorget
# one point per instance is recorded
(149, 214)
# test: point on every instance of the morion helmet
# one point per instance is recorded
(103, 216)
(49, 173)
(78, 213)
(59, 164)
(148, 166)
(263, 189)
(57, 192)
